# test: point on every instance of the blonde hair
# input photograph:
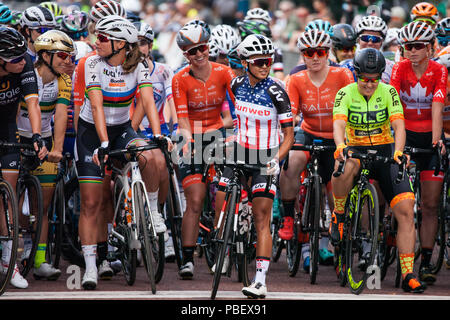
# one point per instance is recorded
(133, 57)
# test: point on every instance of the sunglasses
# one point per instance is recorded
(415, 45)
(193, 51)
(261, 62)
(368, 38)
(311, 52)
(42, 30)
(368, 80)
(102, 38)
(346, 49)
(64, 55)
(15, 60)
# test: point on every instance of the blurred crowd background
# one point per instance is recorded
(289, 17)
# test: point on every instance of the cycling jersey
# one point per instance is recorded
(201, 102)
(260, 110)
(385, 76)
(161, 79)
(278, 61)
(316, 103)
(446, 112)
(16, 86)
(417, 95)
(79, 83)
(118, 88)
(368, 122)
(52, 93)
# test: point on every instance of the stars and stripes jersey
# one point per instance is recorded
(13, 88)
(57, 91)
(199, 101)
(118, 89)
(417, 95)
(260, 111)
(316, 103)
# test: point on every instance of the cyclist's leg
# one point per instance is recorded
(341, 187)
(105, 219)
(289, 187)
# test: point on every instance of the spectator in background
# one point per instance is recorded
(225, 10)
(398, 17)
(302, 13)
(286, 22)
(322, 11)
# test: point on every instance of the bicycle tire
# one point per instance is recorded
(126, 255)
(277, 242)
(222, 240)
(11, 216)
(30, 186)
(144, 234)
(55, 225)
(294, 250)
(440, 243)
(315, 230)
(174, 216)
(207, 244)
(356, 236)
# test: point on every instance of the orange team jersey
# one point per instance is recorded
(79, 84)
(201, 102)
(446, 113)
(316, 103)
(418, 95)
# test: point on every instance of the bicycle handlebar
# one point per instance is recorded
(436, 149)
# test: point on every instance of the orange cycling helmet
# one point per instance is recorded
(425, 10)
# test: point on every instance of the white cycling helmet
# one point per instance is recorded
(37, 16)
(106, 8)
(117, 28)
(213, 48)
(371, 23)
(144, 30)
(258, 14)
(81, 49)
(193, 33)
(416, 31)
(225, 37)
(314, 38)
(255, 44)
(444, 57)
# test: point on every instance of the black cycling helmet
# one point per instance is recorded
(344, 36)
(369, 60)
(248, 27)
(12, 43)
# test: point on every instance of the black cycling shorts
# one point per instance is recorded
(10, 159)
(120, 137)
(386, 174)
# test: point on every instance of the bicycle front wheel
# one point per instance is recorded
(175, 217)
(314, 216)
(362, 238)
(222, 238)
(56, 225)
(32, 210)
(9, 232)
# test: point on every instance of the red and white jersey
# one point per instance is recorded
(417, 95)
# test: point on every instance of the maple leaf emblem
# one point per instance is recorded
(417, 98)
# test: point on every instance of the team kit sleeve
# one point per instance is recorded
(92, 74)
(168, 77)
(64, 89)
(28, 80)
(395, 77)
(79, 83)
(340, 109)
(347, 77)
(294, 95)
(395, 107)
(281, 101)
(180, 95)
(440, 89)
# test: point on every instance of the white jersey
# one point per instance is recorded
(118, 89)
(57, 91)
(161, 79)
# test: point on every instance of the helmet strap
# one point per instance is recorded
(114, 51)
(50, 65)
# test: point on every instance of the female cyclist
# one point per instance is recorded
(55, 51)
(258, 140)
(311, 92)
(199, 91)
(18, 77)
(112, 78)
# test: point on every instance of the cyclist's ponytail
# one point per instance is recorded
(133, 57)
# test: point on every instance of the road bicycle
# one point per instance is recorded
(9, 221)
(360, 234)
(234, 236)
(31, 210)
(312, 219)
(133, 228)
